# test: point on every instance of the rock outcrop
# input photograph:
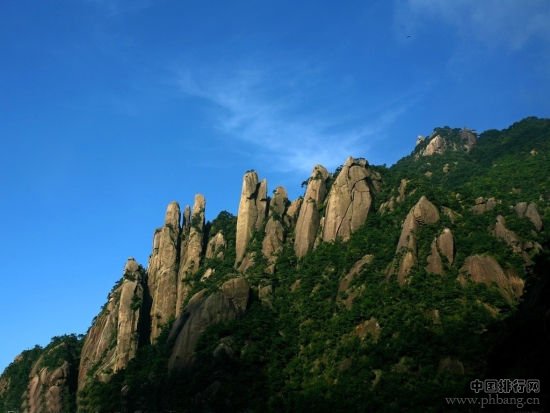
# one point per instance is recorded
(423, 212)
(485, 269)
(391, 203)
(439, 145)
(347, 293)
(468, 138)
(272, 243)
(118, 330)
(509, 237)
(163, 270)
(309, 217)
(190, 251)
(436, 145)
(252, 212)
(529, 211)
(202, 311)
(216, 247)
(483, 205)
(349, 200)
(443, 245)
(52, 381)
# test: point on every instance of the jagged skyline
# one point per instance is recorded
(115, 108)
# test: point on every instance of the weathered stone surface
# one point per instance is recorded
(483, 205)
(163, 270)
(408, 261)
(274, 237)
(423, 212)
(272, 243)
(439, 145)
(486, 270)
(509, 237)
(453, 215)
(469, 139)
(202, 311)
(114, 336)
(308, 218)
(435, 265)
(191, 251)
(216, 246)
(355, 270)
(252, 212)
(292, 212)
(446, 245)
(441, 245)
(48, 388)
(247, 262)
(531, 212)
(436, 145)
(391, 203)
(208, 273)
(402, 190)
(346, 294)
(349, 201)
(278, 204)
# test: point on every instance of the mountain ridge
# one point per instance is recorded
(455, 215)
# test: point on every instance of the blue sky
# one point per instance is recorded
(110, 109)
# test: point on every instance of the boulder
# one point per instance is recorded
(485, 269)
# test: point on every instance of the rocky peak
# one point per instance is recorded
(272, 243)
(118, 330)
(468, 138)
(173, 215)
(308, 221)
(190, 251)
(278, 203)
(438, 144)
(349, 200)
(252, 212)
(163, 269)
(216, 246)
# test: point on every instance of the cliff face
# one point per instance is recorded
(350, 199)
(192, 246)
(308, 221)
(163, 270)
(117, 331)
(252, 211)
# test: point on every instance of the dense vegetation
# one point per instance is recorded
(394, 348)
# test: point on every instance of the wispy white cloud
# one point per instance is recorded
(281, 120)
(495, 23)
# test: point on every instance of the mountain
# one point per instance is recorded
(381, 289)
